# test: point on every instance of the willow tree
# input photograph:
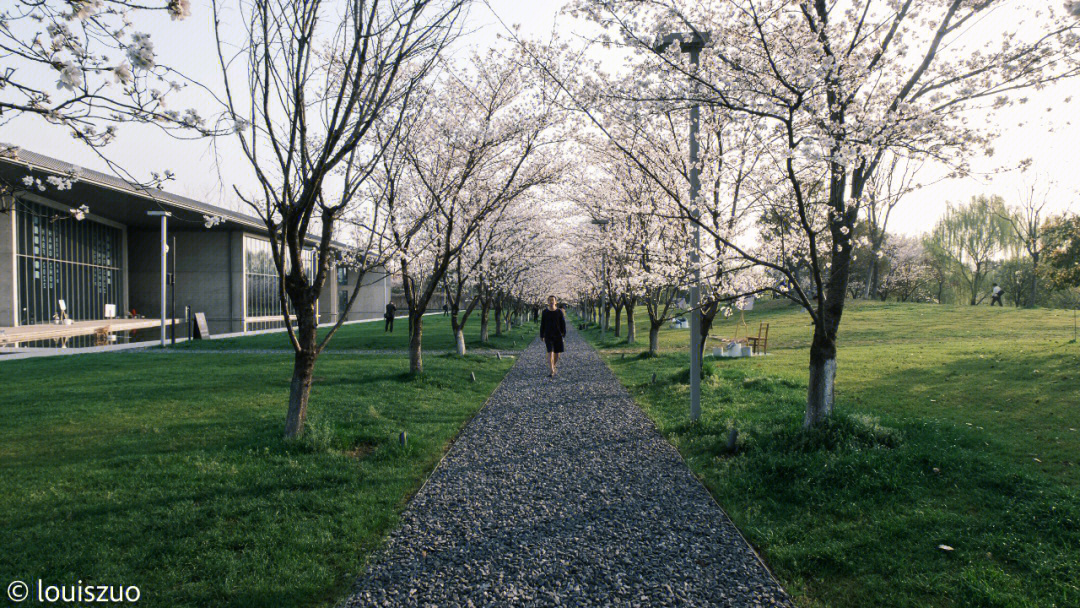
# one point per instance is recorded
(971, 236)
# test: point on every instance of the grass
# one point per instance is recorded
(170, 472)
(438, 337)
(955, 426)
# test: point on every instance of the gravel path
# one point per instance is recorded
(562, 492)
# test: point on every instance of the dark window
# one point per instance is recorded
(343, 300)
(61, 258)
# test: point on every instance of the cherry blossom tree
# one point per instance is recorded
(840, 84)
(885, 189)
(84, 65)
(645, 242)
(904, 268)
(485, 138)
(507, 246)
(316, 92)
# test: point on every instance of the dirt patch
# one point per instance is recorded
(359, 451)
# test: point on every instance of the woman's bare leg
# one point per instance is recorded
(554, 361)
(551, 361)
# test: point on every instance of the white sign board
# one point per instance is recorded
(110, 311)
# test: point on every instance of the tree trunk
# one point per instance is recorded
(1034, 280)
(871, 275)
(821, 394)
(303, 370)
(706, 327)
(498, 320)
(631, 325)
(416, 333)
(975, 280)
(618, 320)
(459, 332)
(484, 324)
(607, 316)
(654, 337)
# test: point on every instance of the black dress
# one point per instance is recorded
(552, 329)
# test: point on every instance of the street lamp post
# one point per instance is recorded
(164, 215)
(602, 223)
(692, 43)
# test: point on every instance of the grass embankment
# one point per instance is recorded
(438, 337)
(170, 472)
(955, 426)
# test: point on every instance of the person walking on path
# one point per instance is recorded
(389, 316)
(995, 295)
(552, 332)
(445, 310)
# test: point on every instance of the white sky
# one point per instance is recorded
(1050, 138)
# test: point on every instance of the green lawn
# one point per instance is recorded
(438, 337)
(956, 426)
(170, 473)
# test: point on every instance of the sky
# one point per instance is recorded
(1044, 130)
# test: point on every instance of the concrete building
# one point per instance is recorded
(54, 265)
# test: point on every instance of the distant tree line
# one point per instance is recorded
(1033, 256)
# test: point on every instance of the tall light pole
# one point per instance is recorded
(164, 215)
(602, 223)
(692, 43)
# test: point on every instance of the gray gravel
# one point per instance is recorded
(562, 492)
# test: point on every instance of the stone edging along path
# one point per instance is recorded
(562, 492)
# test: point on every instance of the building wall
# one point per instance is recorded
(371, 301)
(208, 276)
(7, 266)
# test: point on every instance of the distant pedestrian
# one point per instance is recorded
(445, 309)
(552, 332)
(995, 295)
(389, 316)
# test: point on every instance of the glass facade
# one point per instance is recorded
(343, 292)
(261, 280)
(60, 258)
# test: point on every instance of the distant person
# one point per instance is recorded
(552, 331)
(995, 295)
(391, 310)
(445, 309)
